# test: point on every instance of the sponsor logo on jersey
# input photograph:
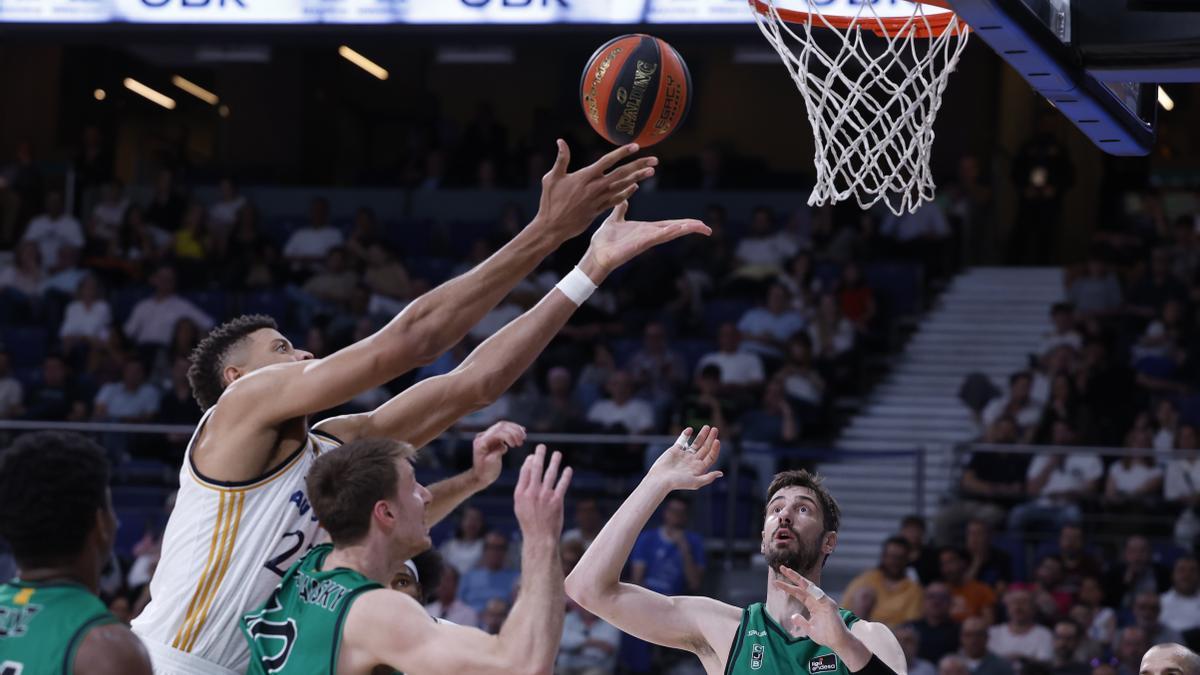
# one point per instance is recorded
(756, 633)
(757, 652)
(823, 664)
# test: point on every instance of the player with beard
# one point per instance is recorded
(799, 629)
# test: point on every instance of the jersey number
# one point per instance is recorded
(263, 631)
(274, 564)
(11, 668)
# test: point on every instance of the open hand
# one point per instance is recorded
(538, 499)
(618, 240)
(685, 465)
(571, 201)
(488, 448)
(824, 624)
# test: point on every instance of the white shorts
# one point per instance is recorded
(167, 660)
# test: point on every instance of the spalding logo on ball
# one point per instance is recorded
(635, 89)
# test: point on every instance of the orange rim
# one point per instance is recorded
(933, 25)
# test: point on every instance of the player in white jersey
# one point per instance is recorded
(242, 517)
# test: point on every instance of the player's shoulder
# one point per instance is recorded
(111, 649)
(382, 614)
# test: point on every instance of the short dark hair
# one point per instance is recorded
(830, 512)
(52, 483)
(208, 358)
(955, 550)
(344, 486)
(913, 519)
(1073, 624)
(897, 540)
(1019, 375)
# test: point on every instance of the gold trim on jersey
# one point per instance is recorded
(184, 628)
(223, 567)
(309, 444)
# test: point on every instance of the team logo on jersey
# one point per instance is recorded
(756, 633)
(823, 664)
(757, 652)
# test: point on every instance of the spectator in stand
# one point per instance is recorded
(762, 252)
(909, 641)
(594, 376)
(108, 214)
(308, 246)
(1020, 636)
(987, 563)
(621, 412)
(491, 619)
(446, 605)
(1148, 297)
(1096, 294)
(772, 422)
(1147, 611)
(953, 664)
(132, 400)
(1181, 604)
(1051, 600)
(804, 386)
(492, 579)
(192, 242)
(922, 558)
(21, 186)
(1135, 483)
(1166, 417)
(1137, 572)
(1132, 644)
(1018, 404)
(659, 372)
(740, 371)
(153, 320)
(21, 285)
(801, 283)
(977, 650)
(57, 397)
(1077, 560)
(465, 549)
(223, 213)
(1041, 172)
(991, 483)
(886, 594)
(1099, 622)
(571, 552)
(766, 330)
(705, 404)
(1063, 407)
(53, 229)
(556, 410)
(178, 407)
(388, 280)
(669, 559)
(1062, 330)
(1068, 637)
(588, 521)
(166, 207)
(88, 319)
(856, 299)
(969, 598)
(12, 394)
(589, 644)
(334, 285)
(1181, 486)
(1058, 485)
(938, 632)
(919, 235)
(832, 334)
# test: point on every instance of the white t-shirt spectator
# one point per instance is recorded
(485, 417)
(311, 242)
(635, 415)
(152, 321)
(224, 214)
(12, 394)
(1027, 416)
(575, 654)
(928, 220)
(124, 404)
(1076, 472)
(110, 216)
(29, 285)
(1182, 479)
(1129, 480)
(842, 340)
(462, 555)
(770, 251)
(1037, 643)
(83, 321)
(51, 233)
(737, 368)
(494, 320)
(1054, 340)
(807, 387)
(1180, 612)
(759, 321)
(457, 612)
(1164, 440)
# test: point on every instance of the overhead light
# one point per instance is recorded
(1164, 100)
(146, 92)
(100, 94)
(195, 89)
(363, 62)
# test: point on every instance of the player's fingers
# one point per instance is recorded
(622, 196)
(701, 438)
(620, 209)
(638, 167)
(535, 471)
(564, 481)
(620, 187)
(703, 449)
(552, 471)
(684, 437)
(523, 478)
(674, 229)
(709, 477)
(800, 625)
(562, 160)
(712, 454)
(608, 161)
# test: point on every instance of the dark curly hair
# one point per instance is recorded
(52, 483)
(208, 358)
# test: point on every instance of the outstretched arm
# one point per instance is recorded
(425, 410)
(389, 628)
(487, 459)
(440, 318)
(682, 622)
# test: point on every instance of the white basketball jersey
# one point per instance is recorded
(225, 549)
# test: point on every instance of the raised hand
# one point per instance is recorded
(538, 499)
(824, 624)
(618, 240)
(571, 201)
(488, 448)
(685, 465)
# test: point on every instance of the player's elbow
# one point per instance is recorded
(585, 592)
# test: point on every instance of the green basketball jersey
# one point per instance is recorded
(43, 623)
(299, 629)
(763, 647)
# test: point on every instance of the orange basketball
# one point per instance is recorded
(635, 88)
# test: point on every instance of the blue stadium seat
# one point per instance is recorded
(214, 303)
(123, 300)
(693, 349)
(271, 303)
(26, 345)
(719, 311)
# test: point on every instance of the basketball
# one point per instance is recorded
(635, 88)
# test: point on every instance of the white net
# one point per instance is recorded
(872, 92)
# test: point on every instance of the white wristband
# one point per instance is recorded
(577, 286)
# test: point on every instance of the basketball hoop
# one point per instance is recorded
(872, 90)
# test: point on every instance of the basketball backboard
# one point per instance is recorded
(1098, 61)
